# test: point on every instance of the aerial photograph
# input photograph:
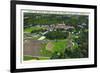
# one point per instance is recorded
(49, 36)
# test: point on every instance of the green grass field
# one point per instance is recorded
(34, 28)
(59, 45)
(55, 46)
(27, 58)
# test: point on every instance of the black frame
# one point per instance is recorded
(13, 35)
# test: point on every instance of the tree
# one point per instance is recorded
(54, 35)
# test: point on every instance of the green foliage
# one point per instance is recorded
(80, 47)
(48, 19)
(52, 35)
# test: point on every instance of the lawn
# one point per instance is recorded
(59, 45)
(29, 58)
(26, 58)
(54, 46)
(34, 29)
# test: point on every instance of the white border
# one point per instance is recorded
(51, 63)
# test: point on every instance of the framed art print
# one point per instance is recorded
(51, 36)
